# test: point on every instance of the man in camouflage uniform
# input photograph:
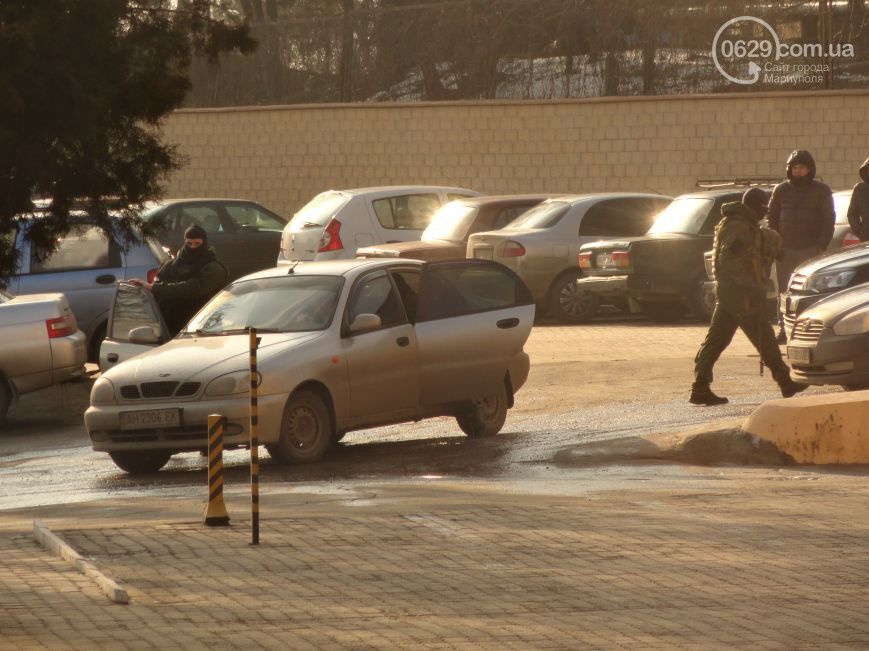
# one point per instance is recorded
(740, 271)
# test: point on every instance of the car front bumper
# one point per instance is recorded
(103, 423)
(832, 359)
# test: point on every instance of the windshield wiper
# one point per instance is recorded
(235, 331)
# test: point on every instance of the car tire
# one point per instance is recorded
(95, 343)
(702, 303)
(666, 312)
(567, 303)
(138, 462)
(307, 429)
(484, 417)
(5, 398)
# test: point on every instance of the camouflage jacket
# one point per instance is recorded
(738, 258)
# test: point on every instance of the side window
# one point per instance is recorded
(251, 218)
(376, 295)
(410, 211)
(456, 289)
(131, 310)
(204, 216)
(620, 217)
(507, 215)
(84, 247)
(407, 283)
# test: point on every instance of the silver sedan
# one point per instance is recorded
(346, 345)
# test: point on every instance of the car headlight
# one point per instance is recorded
(231, 383)
(834, 280)
(855, 323)
(103, 392)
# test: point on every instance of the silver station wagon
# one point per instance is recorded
(345, 345)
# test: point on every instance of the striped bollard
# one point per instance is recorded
(254, 441)
(215, 512)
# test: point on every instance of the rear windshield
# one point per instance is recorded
(451, 222)
(544, 215)
(283, 304)
(683, 216)
(319, 210)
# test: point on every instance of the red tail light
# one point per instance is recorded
(62, 326)
(331, 238)
(511, 249)
(621, 259)
(850, 239)
(585, 260)
(152, 275)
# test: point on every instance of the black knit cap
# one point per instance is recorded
(756, 199)
(196, 232)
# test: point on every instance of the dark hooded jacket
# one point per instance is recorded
(801, 209)
(186, 283)
(858, 210)
(737, 258)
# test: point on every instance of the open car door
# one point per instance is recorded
(473, 318)
(135, 326)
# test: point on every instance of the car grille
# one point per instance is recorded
(807, 330)
(159, 390)
(798, 282)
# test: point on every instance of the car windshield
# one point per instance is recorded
(283, 304)
(841, 201)
(319, 210)
(543, 215)
(451, 222)
(683, 216)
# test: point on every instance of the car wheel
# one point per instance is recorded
(484, 417)
(663, 312)
(307, 430)
(95, 342)
(140, 462)
(5, 399)
(567, 303)
(703, 303)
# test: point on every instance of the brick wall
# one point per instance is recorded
(282, 156)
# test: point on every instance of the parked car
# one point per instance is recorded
(829, 342)
(346, 345)
(40, 345)
(446, 237)
(85, 267)
(336, 223)
(661, 273)
(246, 236)
(542, 244)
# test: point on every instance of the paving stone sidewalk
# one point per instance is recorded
(753, 559)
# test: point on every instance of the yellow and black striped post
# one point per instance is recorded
(254, 440)
(215, 512)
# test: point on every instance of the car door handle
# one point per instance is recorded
(504, 324)
(112, 357)
(402, 341)
(106, 279)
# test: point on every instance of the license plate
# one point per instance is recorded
(603, 260)
(800, 355)
(483, 254)
(151, 418)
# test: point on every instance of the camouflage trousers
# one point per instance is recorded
(721, 330)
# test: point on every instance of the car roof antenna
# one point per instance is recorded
(293, 266)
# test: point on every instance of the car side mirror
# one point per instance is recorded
(365, 323)
(143, 335)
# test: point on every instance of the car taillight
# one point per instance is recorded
(152, 275)
(331, 238)
(511, 249)
(62, 326)
(621, 259)
(585, 260)
(850, 239)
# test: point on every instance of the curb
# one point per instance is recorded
(52, 543)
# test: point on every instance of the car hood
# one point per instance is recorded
(624, 242)
(425, 249)
(846, 258)
(831, 308)
(202, 358)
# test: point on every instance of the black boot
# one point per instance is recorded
(704, 396)
(790, 388)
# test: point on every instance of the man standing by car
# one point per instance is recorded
(186, 283)
(801, 211)
(858, 209)
(738, 262)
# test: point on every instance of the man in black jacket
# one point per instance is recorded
(801, 211)
(858, 210)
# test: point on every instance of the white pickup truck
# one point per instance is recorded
(40, 344)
